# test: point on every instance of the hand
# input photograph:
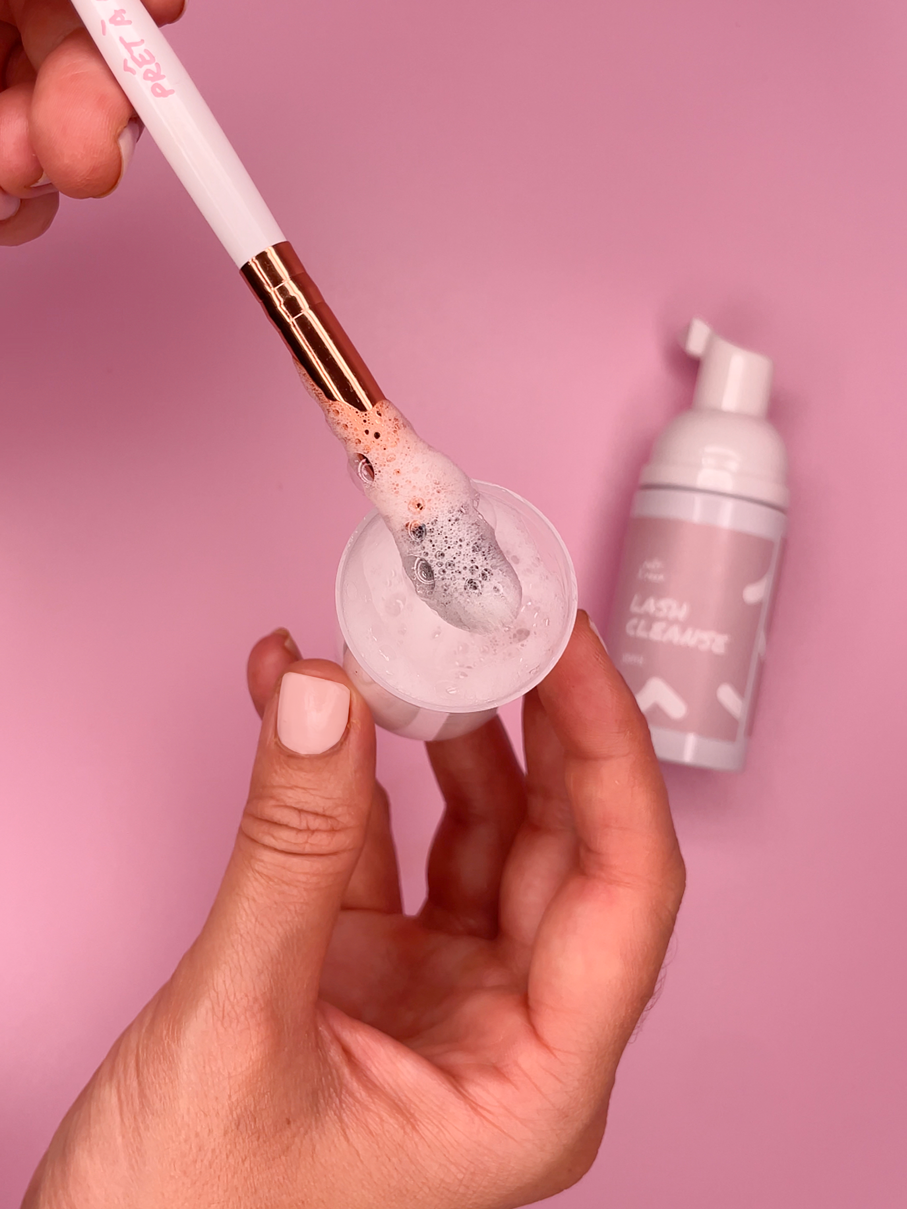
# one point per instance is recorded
(317, 1047)
(65, 124)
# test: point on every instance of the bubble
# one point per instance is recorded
(424, 574)
(428, 502)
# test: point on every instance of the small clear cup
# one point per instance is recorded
(426, 703)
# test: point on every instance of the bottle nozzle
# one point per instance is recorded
(694, 339)
(730, 378)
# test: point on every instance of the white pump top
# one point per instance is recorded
(723, 443)
(730, 378)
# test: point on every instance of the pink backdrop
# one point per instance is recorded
(513, 206)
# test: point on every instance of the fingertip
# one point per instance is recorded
(287, 641)
(268, 660)
(313, 713)
(79, 120)
(29, 221)
(360, 715)
(584, 625)
(126, 143)
(20, 168)
(594, 712)
(279, 729)
(167, 12)
(9, 206)
(317, 750)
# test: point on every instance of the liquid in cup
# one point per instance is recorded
(425, 678)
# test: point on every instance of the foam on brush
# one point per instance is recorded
(448, 549)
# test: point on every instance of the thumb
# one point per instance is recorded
(301, 833)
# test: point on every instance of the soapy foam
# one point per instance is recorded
(448, 550)
(423, 658)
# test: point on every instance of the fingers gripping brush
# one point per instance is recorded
(448, 549)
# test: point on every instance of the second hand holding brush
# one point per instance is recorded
(448, 549)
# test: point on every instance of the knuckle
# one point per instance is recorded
(565, 1154)
(676, 880)
(318, 828)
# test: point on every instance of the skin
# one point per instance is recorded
(61, 114)
(449, 551)
(61, 111)
(316, 1047)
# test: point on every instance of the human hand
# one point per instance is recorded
(317, 1047)
(65, 124)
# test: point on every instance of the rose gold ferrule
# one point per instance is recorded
(333, 369)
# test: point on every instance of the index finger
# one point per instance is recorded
(75, 135)
(43, 24)
(602, 940)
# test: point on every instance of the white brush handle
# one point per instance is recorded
(163, 95)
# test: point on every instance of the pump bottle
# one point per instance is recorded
(700, 561)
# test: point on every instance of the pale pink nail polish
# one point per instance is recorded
(8, 206)
(595, 630)
(129, 136)
(311, 713)
(288, 641)
(42, 186)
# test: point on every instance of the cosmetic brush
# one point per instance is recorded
(431, 507)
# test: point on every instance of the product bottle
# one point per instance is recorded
(700, 561)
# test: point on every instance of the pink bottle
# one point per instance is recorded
(694, 594)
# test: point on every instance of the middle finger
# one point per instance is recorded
(485, 803)
(44, 24)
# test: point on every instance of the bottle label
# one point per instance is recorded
(688, 625)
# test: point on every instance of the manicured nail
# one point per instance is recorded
(311, 713)
(41, 186)
(594, 628)
(288, 641)
(9, 206)
(129, 136)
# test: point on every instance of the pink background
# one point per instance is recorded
(513, 206)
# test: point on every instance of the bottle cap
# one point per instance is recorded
(730, 378)
(723, 443)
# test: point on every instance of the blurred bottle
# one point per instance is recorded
(700, 561)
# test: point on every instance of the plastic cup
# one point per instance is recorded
(429, 713)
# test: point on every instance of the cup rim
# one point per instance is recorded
(496, 702)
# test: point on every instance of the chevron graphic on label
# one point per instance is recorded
(731, 700)
(656, 691)
(754, 593)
